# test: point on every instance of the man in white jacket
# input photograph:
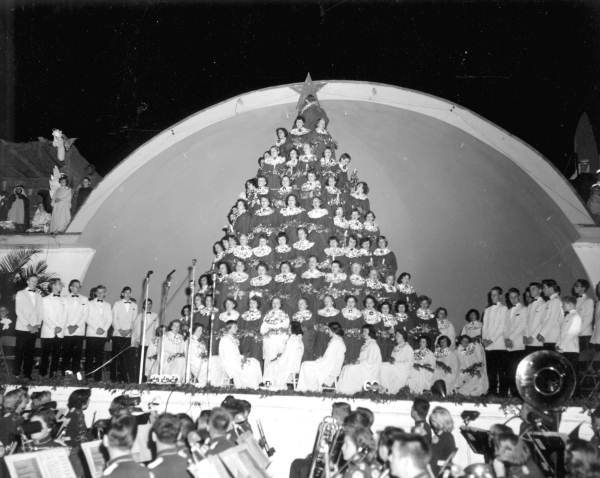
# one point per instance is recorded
(493, 333)
(98, 321)
(77, 310)
(28, 305)
(536, 311)
(585, 309)
(53, 328)
(554, 315)
(568, 340)
(516, 325)
(124, 312)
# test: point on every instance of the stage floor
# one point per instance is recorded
(290, 421)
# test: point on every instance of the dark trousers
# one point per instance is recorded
(513, 360)
(122, 368)
(24, 350)
(51, 351)
(549, 346)
(530, 349)
(586, 353)
(300, 468)
(72, 348)
(94, 355)
(497, 370)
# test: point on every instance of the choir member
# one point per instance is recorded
(275, 330)
(446, 364)
(291, 217)
(421, 374)
(151, 325)
(287, 365)
(324, 370)
(473, 326)
(198, 356)
(359, 199)
(340, 223)
(329, 313)
(53, 328)
(395, 372)
(424, 322)
(305, 317)
(495, 319)
(310, 189)
(28, 307)
(298, 132)
(408, 295)
(352, 322)
(367, 368)
(282, 252)
(282, 138)
(385, 336)
(312, 281)
(445, 326)
(124, 313)
(243, 252)
(319, 222)
(514, 336)
(472, 380)
(370, 227)
(384, 260)
(261, 285)
(553, 317)
(401, 311)
(285, 286)
(595, 339)
(61, 206)
(570, 327)
(173, 348)
(98, 322)
(245, 372)
(229, 314)
(76, 311)
(249, 330)
(536, 311)
(585, 309)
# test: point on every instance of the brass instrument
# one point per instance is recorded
(327, 448)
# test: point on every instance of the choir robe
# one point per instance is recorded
(273, 169)
(264, 222)
(385, 338)
(394, 374)
(279, 196)
(371, 230)
(421, 379)
(275, 330)
(336, 285)
(249, 333)
(243, 254)
(340, 226)
(402, 322)
(198, 361)
(359, 202)
(243, 224)
(408, 295)
(324, 370)
(472, 329)
(471, 359)
(174, 355)
(423, 323)
(389, 294)
(287, 365)
(307, 320)
(301, 251)
(152, 357)
(311, 282)
(375, 288)
(309, 191)
(281, 253)
(352, 321)
(261, 287)
(245, 372)
(219, 327)
(312, 112)
(320, 226)
(385, 262)
(357, 287)
(343, 179)
(324, 317)
(373, 317)
(238, 288)
(368, 368)
(333, 197)
(448, 358)
(289, 220)
(285, 286)
(445, 327)
(262, 254)
(321, 140)
(298, 137)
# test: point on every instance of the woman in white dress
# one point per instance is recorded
(198, 356)
(446, 364)
(421, 375)
(394, 374)
(61, 206)
(472, 380)
(173, 359)
(153, 353)
(275, 330)
(288, 364)
(474, 325)
(324, 370)
(245, 372)
(367, 368)
(445, 327)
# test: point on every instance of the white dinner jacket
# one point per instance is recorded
(54, 315)
(123, 317)
(536, 311)
(99, 317)
(495, 319)
(585, 309)
(77, 311)
(552, 319)
(516, 327)
(28, 307)
(570, 327)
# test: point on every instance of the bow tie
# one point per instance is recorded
(31, 290)
(74, 295)
(127, 302)
(99, 300)
(55, 295)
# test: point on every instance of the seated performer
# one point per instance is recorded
(367, 368)
(421, 375)
(446, 364)
(173, 360)
(198, 356)
(245, 372)
(285, 367)
(472, 380)
(324, 370)
(394, 374)
(275, 330)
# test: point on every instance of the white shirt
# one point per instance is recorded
(76, 310)
(536, 311)
(333, 359)
(553, 319)
(495, 318)
(53, 315)
(28, 307)
(123, 315)
(99, 317)
(570, 327)
(151, 326)
(516, 326)
(585, 309)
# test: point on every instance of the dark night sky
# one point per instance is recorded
(89, 68)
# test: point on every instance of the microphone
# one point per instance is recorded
(148, 274)
(193, 262)
(170, 274)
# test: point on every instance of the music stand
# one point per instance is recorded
(478, 440)
(549, 451)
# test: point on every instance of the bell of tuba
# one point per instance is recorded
(327, 447)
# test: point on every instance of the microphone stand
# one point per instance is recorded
(144, 311)
(189, 343)
(161, 353)
(211, 319)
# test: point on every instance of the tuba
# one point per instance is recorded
(327, 448)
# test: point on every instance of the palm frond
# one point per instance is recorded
(15, 260)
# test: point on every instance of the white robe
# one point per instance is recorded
(469, 384)
(173, 361)
(244, 372)
(449, 378)
(325, 369)
(152, 356)
(287, 364)
(421, 379)
(368, 368)
(275, 332)
(198, 362)
(394, 376)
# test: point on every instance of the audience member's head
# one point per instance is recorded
(510, 449)
(40, 398)
(165, 431)
(358, 440)
(441, 420)
(79, 399)
(339, 411)
(582, 459)
(410, 456)
(420, 409)
(219, 423)
(120, 436)
(15, 401)
(386, 440)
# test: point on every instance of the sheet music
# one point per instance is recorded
(41, 464)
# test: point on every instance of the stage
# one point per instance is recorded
(290, 421)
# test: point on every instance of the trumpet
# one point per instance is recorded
(327, 448)
(270, 451)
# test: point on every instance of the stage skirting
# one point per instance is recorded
(290, 421)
